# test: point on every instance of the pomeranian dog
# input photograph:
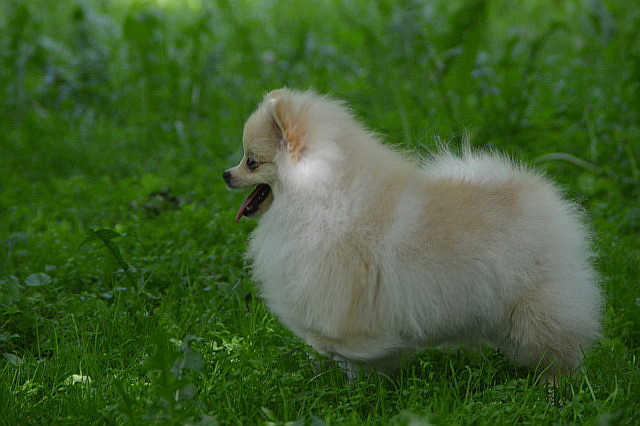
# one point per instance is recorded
(367, 255)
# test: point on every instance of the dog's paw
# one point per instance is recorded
(322, 364)
(351, 369)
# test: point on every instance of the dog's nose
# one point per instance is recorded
(226, 176)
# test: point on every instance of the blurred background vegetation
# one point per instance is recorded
(121, 114)
(188, 70)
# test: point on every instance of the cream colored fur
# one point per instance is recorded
(366, 255)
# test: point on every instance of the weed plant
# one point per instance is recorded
(124, 297)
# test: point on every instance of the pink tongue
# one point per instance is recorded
(247, 202)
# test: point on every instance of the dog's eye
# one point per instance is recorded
(252, 164)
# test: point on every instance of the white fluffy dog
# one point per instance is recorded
(366, 255)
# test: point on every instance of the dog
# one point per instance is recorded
(368, 255)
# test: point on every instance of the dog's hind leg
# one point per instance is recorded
(548, 330)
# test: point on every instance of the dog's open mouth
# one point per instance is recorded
(251, 205)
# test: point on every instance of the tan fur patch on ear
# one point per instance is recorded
(272, 94)
(292, 126)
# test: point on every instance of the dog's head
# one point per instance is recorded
(275, 131)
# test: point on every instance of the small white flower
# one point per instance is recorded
(75, 379)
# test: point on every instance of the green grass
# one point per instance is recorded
(121, 116)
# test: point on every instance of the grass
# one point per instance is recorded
(120, 260)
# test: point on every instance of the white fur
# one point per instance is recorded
(366, 255)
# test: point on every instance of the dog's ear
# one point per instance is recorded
(278, 125)
(288, 123)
